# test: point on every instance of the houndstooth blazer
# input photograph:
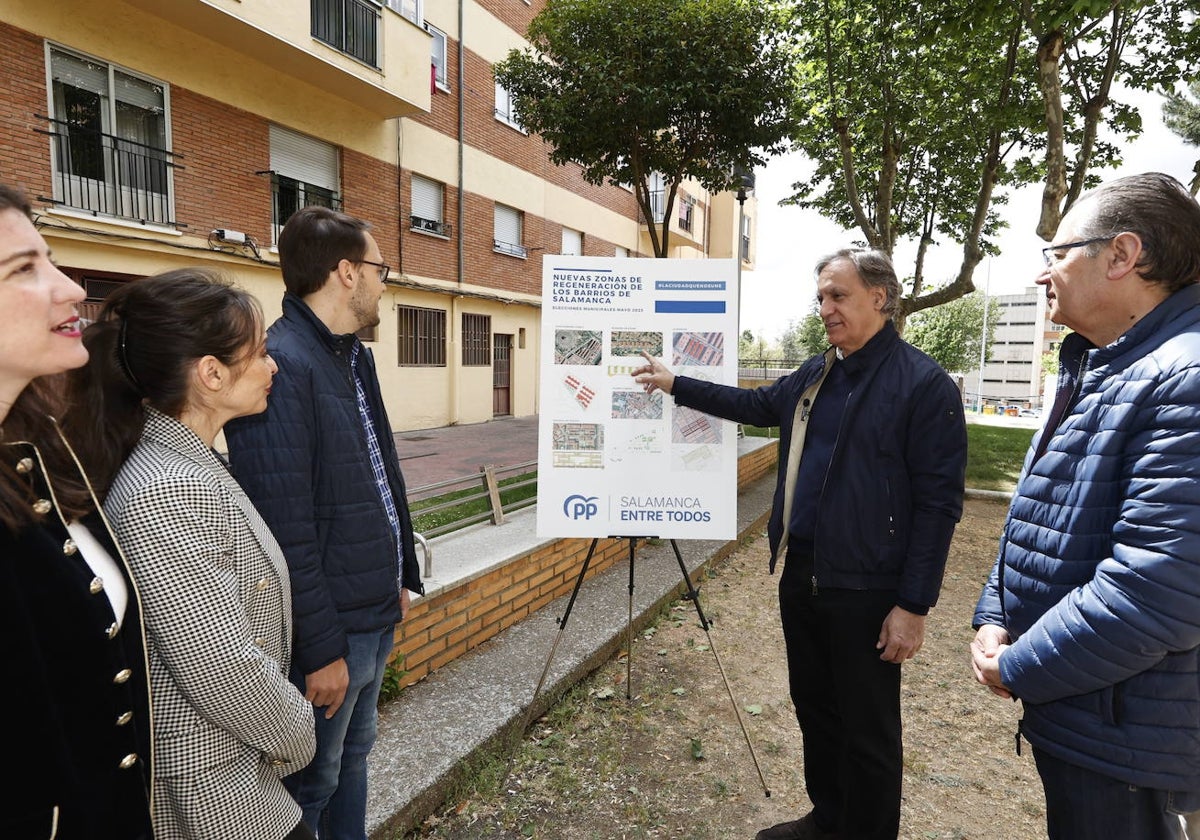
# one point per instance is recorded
(227, 722)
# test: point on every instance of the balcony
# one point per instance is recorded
(349, 26)
(289, 195)
(356, 50)
(433, 226)
(509, 248)
(106, 175)
(658, 206)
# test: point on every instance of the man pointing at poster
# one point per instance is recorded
(873, 454)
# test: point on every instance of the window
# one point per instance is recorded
(745, 238)
(438, 59)
(410, 9)
(508, 227)
(687, 210)
(476, 340)
(349, 26)
(109, 134)
(304, 173)
(422, 336)
(658, 196)
(98, 285)
(427, 206)
(504, 108)
(572, 242)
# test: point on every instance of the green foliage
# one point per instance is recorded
(683, 88)
(1088, 51)
(804, 338)
(1050, 364)
(393, 673)
(951, 333)
(921, 117)
(995, 455)
(1181, 113)
(904, 105)
(751, 346)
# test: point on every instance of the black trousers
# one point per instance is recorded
(1082, 804)
(847, 702)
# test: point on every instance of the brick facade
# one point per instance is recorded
(215, 181)
(24, 152)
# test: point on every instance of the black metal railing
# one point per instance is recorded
(767, 368)
(350, 26)
(509, 248)
(109, 175)
(430, 226)
(658, 206)
(288, 195)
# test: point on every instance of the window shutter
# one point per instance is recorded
(139, 93)
(426, 198)
(572, 242)
(508, 225)
(304, 158)
(78, 73)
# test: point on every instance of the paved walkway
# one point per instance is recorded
(428, 456)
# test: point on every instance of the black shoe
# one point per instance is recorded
(805, 828)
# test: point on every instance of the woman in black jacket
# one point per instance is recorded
(77, 700)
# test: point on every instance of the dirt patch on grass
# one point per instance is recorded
(671, 762)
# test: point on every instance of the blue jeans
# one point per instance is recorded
(1083, 805)
(332, 790)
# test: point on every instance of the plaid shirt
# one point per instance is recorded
(377, 468)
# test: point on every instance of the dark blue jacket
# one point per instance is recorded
(1098, 575)
(894, 488)
(304, 463)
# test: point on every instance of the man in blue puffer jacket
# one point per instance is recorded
(1091, 615)
(320, 464)
(873, 451)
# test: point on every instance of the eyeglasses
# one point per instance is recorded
(1051, 254)
(384, 270)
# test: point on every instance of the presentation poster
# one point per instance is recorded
(614, 461)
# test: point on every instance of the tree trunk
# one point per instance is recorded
(1049, 55)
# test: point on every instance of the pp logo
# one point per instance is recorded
(580, 507)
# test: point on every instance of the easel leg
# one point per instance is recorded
(693, 595)
(562, 624)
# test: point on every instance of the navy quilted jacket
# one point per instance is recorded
(894, 488)
(1098, 575)
(305, 465)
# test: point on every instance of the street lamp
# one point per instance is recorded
(745, 185)
(983, 338)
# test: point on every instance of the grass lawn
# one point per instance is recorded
(994, 453)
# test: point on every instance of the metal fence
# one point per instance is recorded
(486, 485)
(105, 174)
(351, 26)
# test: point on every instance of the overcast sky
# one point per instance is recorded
(790, 240)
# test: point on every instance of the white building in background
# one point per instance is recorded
(1013, 374)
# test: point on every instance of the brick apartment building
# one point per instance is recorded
(157, 134)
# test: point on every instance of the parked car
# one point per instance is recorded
(1029, 412)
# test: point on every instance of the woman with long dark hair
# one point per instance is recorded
(76, 703)
(173, 358)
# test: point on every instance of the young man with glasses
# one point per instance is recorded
(1091, 615)
(321, 466)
